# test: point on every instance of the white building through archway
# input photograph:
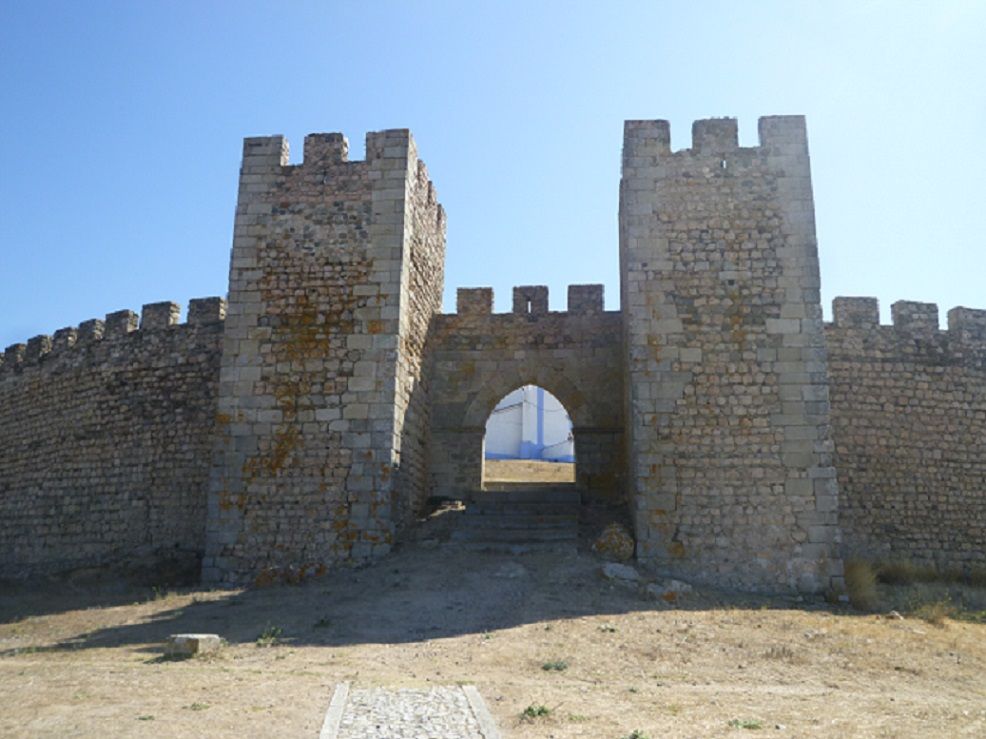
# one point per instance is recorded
(530, 423)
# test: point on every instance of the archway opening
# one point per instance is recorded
(529, 440)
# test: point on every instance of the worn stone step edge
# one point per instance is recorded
(533, 496)
(515, 535)
(515, 548)
(514, 522)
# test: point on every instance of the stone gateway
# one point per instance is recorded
(305, 420)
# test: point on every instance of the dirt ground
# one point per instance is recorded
(532, 630)
(528, 470)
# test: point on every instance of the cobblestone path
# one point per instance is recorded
(435, 713)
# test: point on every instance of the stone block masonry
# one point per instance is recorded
(477, 357)
(729, 454)
(105, 438)
(336, 271)
(909, 423)
(305, 424)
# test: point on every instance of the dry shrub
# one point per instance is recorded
(935, 613)
(781, 652)
(901, 572)
(861, 585)
(977, 577)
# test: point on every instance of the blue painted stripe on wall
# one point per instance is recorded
(501, 455)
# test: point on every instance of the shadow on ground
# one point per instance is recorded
(417, 593)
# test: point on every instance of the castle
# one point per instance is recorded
(304, 421)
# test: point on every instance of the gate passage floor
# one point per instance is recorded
(538, 630)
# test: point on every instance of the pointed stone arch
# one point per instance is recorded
(489, 394)
(478, 357)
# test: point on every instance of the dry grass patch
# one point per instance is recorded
(635, 667)
(861, 585)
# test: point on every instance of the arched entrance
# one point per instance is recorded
(528, 440)
(478, 357)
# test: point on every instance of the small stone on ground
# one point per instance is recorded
(510, 570)
(189, 645)
(620, 573)
(615, 543)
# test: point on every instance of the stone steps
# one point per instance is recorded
(503, 534)
(517, 521)
(544, 494)
(521, 519)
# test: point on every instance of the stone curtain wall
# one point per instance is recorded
(318, 356)
(477, 357)
(909, 423)
(730, 459)
(308, 425)
(423, 281)
(105, 438)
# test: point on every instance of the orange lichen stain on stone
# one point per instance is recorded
(676, 549)
(736, 332)
(670, 596)
(272, 462)
(265, 578)
(223, 419)
(287, 394)
(655, 345)
(374, 327)
(289, 575)
(302, 331)
(227, 501)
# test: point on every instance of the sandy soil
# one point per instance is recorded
(85, 661)
(527, 470)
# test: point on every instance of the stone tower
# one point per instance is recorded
(728, 439)
(322, 429)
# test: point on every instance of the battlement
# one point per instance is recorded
(910, 318)
(967, 324)
(529, 300)
(326, 161)
(267, 154)
(153, 317)
(474, 300)
(646, 139)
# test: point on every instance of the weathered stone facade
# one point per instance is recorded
(105, 435)
(308, 427)
(336, 272)
(730, 458)
(477, 357)
(909, 422)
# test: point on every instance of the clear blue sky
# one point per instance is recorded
(122, 125)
